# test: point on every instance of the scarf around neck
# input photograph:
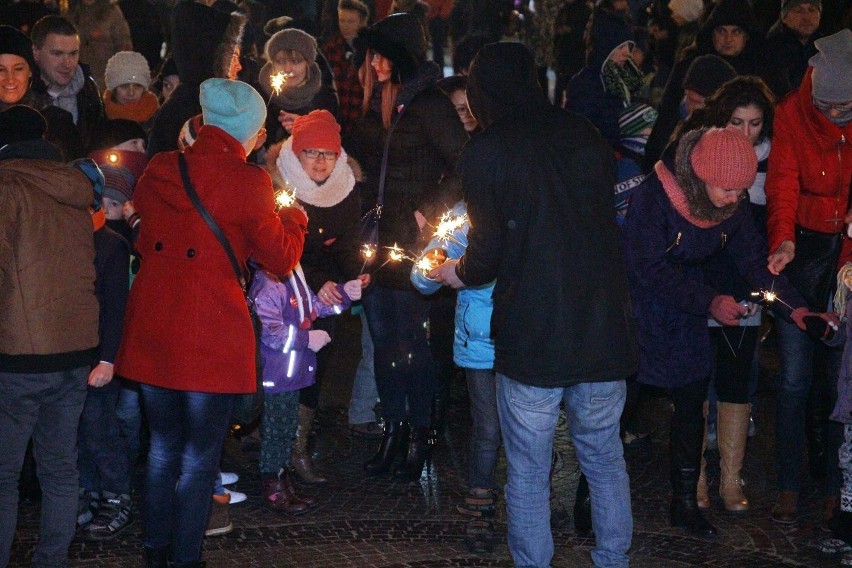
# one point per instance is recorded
(66, 99)
(291, 96)
(331, 192)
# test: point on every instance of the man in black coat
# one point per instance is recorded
(790, 43)
(538, 183)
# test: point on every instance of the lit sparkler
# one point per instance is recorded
(278, 80)
(448, 225)
(285, 198)
(770, 297)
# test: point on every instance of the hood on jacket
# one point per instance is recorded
(502, 77)
(819, 127)
(400, 38)
(198, 31)
(728, 13)
(606, 32)
(52, 177)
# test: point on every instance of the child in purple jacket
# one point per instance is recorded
(288, 346)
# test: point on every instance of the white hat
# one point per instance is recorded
(127, 67)
(688, 10)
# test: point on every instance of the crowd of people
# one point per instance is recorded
(191, 190)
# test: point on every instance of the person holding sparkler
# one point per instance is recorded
(422, 137)
(292, 82)
(688, 210)
(312, 169)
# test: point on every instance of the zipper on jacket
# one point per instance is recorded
(724, 240)
(840, 178)
(676, 241)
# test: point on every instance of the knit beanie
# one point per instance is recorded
(20, 123)
(233, 106)
(688, 10)
(127, 67)
(787, 5)
(116, 131)
(294, 39)
(317, 129)
(189, 131)
(707, 73)
(725, 158)
(13, 41)
(118, 183)
(636, 118)
(832, 74)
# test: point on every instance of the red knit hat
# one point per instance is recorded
(317, 129)
(725, 158)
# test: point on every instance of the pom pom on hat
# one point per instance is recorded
(317, 129)
(118, 183)
(636, 118)
(20, 123)
(294, 39)
(724, 157)
(127, 67)
(688, 10)
(832, 74)
(15, 42)
(233, 106)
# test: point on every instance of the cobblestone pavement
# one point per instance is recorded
(377, 522)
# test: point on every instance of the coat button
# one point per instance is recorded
(511, 224)
(190, 253)
(158, 246)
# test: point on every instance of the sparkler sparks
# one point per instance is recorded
(278, 80)
(448, 224)
(770, 297)
(285, 198)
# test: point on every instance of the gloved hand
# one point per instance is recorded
(317, 339)
(353, 289)
(726, 310)
(817, 325)
(96, 177)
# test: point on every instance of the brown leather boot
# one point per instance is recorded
(732, 429)
(786, 508)
(288, 488)
(276, 499)
(303, 465)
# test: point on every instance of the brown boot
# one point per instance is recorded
(303, 465)
(702, 496)
(786, 508)
(289, 489)
(732, 429)
(279, 501)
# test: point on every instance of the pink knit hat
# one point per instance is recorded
(725, 158)
(317, 129)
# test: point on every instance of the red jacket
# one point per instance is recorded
(810, 168)
(187, 326)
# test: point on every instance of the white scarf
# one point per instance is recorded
(334, 190)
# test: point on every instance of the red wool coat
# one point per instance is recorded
(187, 326)
(809, 170)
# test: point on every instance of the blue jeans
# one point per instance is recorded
(406, 373)
(103, 459)
(364, 393)
(187, 433)
(46, 407)
(485, 433)
(528, 416)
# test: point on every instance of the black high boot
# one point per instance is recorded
(419, 453)
(394, 437)
(157, 557)
(583, 508)
(684, 511)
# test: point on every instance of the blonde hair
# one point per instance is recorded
(840, 296)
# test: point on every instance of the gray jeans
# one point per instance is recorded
(46, 407)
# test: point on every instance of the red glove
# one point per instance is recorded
(726, 310)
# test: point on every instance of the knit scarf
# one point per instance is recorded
(138, 111)
(623, 81)
(331, 192)
(291, 96)
(66, 99)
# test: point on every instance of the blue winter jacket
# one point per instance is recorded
(473, 347)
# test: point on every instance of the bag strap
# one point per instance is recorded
(380, 198)
(205, 214)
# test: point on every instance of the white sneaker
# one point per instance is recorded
(228, 478)
(236, 496)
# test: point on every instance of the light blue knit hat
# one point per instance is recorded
(234, 106)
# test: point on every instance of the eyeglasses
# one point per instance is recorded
(826, 106)
(313, 154)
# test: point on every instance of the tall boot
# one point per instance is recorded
(702, 494)
(392, 439)
(419, 453)
(156, 557)
(303, 465)
(686, 435)
(583, 508)
(733, 433)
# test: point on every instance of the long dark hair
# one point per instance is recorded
(718, 108)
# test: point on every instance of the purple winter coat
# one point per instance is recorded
(288, 364)
(671, 297)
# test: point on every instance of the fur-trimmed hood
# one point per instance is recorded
(199, 30)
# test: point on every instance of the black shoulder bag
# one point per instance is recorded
(247, 407)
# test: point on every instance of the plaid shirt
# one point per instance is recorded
(349, 89)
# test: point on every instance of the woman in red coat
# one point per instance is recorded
(188, 338)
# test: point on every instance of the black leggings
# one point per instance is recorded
(733, 350)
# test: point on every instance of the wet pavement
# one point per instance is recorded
(378, 522)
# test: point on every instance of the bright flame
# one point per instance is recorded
(278, 81)
(448, 224)
(395, 253)
(425, 265)
(285, 198)
(112, 157)
(368, 251)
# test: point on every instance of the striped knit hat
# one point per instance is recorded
(636, 118)
(189, 131)
(119, 183)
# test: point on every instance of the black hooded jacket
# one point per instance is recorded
(538, 184)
